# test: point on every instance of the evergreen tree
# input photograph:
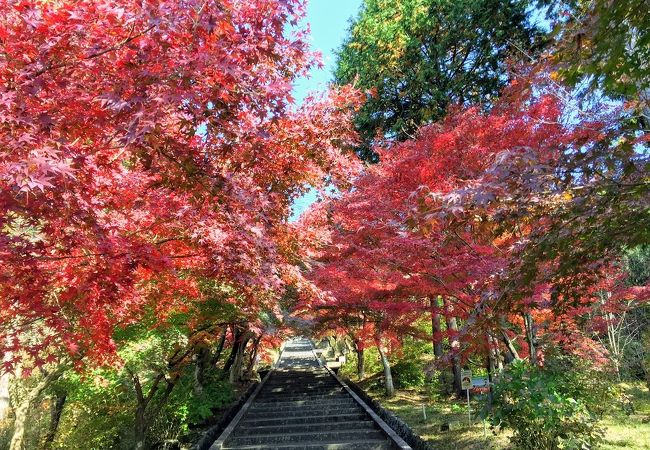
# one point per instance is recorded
(418, 56)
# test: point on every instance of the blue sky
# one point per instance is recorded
(329, 21)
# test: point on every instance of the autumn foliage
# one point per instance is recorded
(448, 226)
(151, 152)
(147, 145)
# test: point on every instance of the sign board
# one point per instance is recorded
(466, 379)
(480, 382)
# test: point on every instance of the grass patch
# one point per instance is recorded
(629, 431)
(623, 430)
(440, 413)
(408, 406)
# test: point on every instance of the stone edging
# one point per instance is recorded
(214, 431)
(228, 422)
(392, 434)
(218, 444)
(397, 424)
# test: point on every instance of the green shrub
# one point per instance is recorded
(371, 358)
(98, 412)
(408, 374)
(555, 407)
(190, 408)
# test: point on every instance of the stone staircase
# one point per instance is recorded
(300, 405)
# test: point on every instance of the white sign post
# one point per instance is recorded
(466, 383)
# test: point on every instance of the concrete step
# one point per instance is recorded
(325, 420)
(254, 429)
(322, 437)
(319, 402)
(306, 412)
(370, 444)
(299, 398)
(302, 386)
(301, 406)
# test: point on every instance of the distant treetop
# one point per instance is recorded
(418, 56)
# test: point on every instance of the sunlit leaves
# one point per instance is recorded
(148, 147)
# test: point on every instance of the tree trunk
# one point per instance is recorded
(253, 359)
(511, 353)
(493, 345)
(22, 409)
(456, 370)
(388, 376)
(5, 379)
(56, 410)
(436, 329)
(222, 341)
(236, 368)
(140, 424)
(361, 363)
(331, 340)
(202, 362)
(5, 404)
(236, 336)
(530, 337)
(140, 427)
(496, 354)
(146, 412)
(452, 329)
(613, 335)
(491, 366)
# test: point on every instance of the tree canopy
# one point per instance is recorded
(419, 56)
(151, 152)
(145, 147)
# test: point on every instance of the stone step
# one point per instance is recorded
(306, 412)
(253, 429)
(290, 402)
(322, 437)
(374, 444)
(301, 388)
(297, 404)
(301, 406)
(301, 384)
(294, 380)
(297, 398)
(305, 375)
(297, 392)
(309, 373)
(326, 420)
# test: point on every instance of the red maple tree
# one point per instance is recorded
(423, 232)
(147, 145)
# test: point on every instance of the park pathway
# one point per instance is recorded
(301, 405)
